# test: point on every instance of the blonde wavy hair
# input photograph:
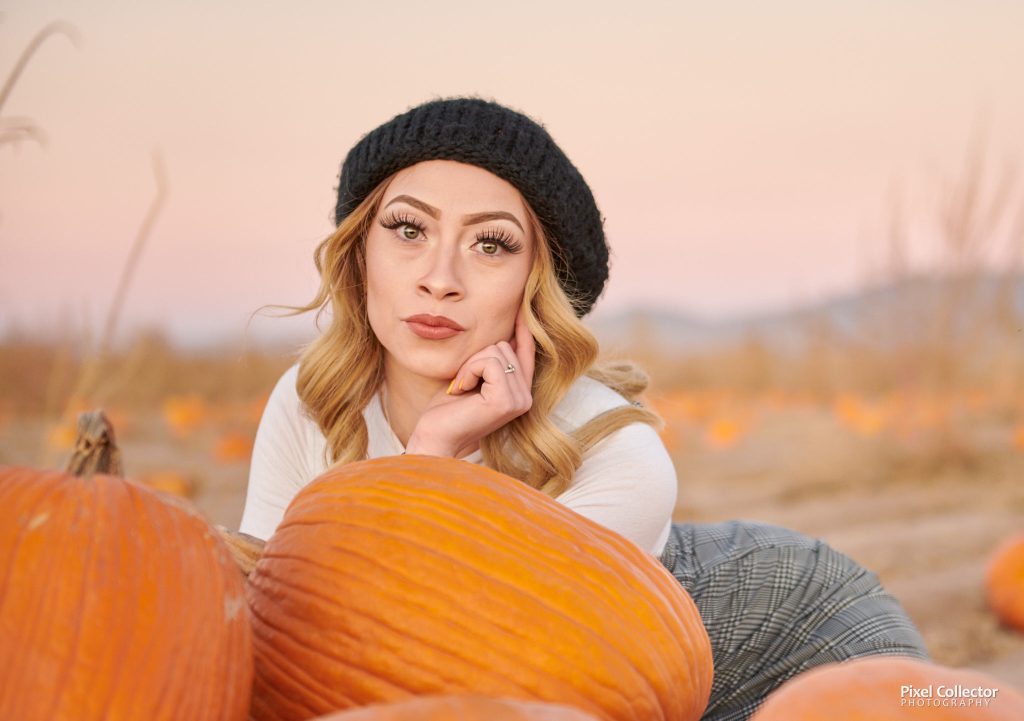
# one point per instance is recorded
(341, 369)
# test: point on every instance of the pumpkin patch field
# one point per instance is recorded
(924, 488)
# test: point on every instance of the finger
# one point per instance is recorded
(525, 347)
(489, 373)
(470, 371)
(516, 378)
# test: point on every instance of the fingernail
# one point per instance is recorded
(460, 385)
(450, 386)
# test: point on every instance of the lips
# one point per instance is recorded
(434, 320)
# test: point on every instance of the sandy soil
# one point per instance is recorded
(927, 532)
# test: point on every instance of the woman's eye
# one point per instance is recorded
(403, 225)
(497, 243)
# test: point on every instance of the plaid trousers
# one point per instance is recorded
(775, 603)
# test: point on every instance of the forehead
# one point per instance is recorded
(456, 187)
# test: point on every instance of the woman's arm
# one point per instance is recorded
(627, 482)
(279, 465)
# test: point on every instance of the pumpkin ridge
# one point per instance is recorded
(232, 590)
(17, 482)
(44, 496)
(652, 574)
(545, 555)
(142, 509)
(83, 593)
(688, 625)
(183, 596)
(522, 499)
(312, 683)
(106, 497)
(271, 688)
(633, 664)
(469, 662)
(290, 702)
(519, 497)
(548, 555)
(214, 562)
(402, 633)
(661, 684)
(57, 490)
(475, 569)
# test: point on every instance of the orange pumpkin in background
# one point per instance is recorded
(891, 688)
(117, 602)
(1004, 582)
(418, 575)
(173, 482)
(461, 708)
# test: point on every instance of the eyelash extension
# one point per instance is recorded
(393, 221)
(493, 235)
(501, 237)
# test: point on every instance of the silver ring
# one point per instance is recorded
(510, 368)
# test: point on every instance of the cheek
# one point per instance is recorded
(500, 309)
(377, 296)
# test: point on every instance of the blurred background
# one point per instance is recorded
(815, 211)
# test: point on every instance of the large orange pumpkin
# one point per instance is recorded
(1004, 582)
(116, 602)
(461, 708)
(419, 575)
(892, 688)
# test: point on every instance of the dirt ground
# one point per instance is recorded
(924, 523)
(926, 529)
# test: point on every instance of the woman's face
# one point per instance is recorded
(452, 240)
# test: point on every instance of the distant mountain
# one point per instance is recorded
(885, 314)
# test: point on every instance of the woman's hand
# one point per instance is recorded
(456, 418)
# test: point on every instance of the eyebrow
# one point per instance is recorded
(471, 219)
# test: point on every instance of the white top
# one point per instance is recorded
(626, 481)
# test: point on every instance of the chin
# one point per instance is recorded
(439, 366)
(442, 375)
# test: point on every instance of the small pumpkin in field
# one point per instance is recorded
(461, 708)
(1004, 582)
(117, 602)
(418, 575)
(173, 482)
(892, 688)
(233, 447)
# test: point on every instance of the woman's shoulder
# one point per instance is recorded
(284, 401)
(284, 391)
(585, 399)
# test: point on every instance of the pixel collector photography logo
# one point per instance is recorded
(949, 696)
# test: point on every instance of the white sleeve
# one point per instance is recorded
(627, 482)
(279, 465)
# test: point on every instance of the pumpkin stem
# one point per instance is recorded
(245, 549)
(95, 450)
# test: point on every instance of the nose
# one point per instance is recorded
(441, 278)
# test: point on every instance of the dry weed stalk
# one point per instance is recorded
(97, 378)
(948, 329)
(15, 129)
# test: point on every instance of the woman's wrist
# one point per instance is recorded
(426, 447)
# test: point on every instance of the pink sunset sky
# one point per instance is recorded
(743, 153)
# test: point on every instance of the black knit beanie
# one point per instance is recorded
(508, 144)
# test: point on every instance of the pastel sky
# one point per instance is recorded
(743, 153)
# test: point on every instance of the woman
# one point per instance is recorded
(467, 249)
